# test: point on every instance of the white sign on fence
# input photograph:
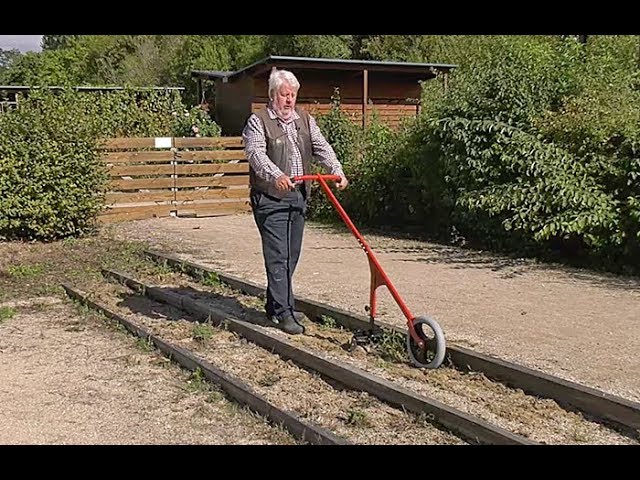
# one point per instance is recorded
(163, 142)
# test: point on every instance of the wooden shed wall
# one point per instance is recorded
(391, 115)
(391, 97)
(233, 105)
(319, 86)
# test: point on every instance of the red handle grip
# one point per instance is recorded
(300, 178)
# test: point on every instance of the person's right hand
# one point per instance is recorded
(283, 183)
(342, 184)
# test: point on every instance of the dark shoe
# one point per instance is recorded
(300, 317)
(287, 323)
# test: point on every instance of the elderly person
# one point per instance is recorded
(281, 141)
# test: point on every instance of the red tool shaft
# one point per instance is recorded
(378, 275)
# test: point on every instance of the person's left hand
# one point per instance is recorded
(342, 184)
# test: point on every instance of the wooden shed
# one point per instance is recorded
(391, 88)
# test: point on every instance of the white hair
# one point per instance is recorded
(279, 78)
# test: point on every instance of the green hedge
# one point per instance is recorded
(533, 150)
(51, 178)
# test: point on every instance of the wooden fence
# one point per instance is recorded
(391, 114)
(160, 177)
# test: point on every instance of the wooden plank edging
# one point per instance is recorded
(234, 387)
(474, 430)
(616, 411)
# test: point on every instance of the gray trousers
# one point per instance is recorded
(281, 226)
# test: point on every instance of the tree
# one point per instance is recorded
(52, 67)
(211, 52)
(7, 58)
(55, 42)
(318, 46)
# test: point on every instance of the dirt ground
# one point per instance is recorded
(69, 379)
(575, 324)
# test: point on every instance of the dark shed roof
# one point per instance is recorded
(25, 88)
(425, 70)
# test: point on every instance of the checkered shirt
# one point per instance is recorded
(255, 146)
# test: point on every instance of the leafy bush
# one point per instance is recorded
(538, 150)
(194, 122)
(600, 126)
(533, 188)
(135, 113)
(51, 177)
(343, 135)
(377, 179)
(394, 175)
(534, 149)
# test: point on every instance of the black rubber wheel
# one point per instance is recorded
(432, 354)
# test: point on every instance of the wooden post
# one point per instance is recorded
(365, 96)
(445, 82)
(199, 91)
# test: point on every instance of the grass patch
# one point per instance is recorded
(6, 313)
(26, 271)
(145, 344)
(210, 279)
(392, 347)
(269, 379)
(197, 382)
(32, 269)
(201, 332)
(357, 418)
(327, 322)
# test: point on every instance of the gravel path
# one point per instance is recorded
(571, 323)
